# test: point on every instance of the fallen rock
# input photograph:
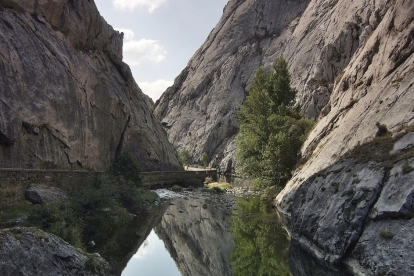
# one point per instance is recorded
(45, 194)
(32, 252)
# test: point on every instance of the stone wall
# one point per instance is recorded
(14, 182)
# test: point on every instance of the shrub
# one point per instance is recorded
(208, 180)
(184, 156)
(124, 166)
(176, 188)
(387, 235)
(205, 160)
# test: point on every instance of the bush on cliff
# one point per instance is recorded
(272, 130)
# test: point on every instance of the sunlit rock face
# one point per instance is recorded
(197, 237)
(318, 39)
(66, 97)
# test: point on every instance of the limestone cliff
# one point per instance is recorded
(318, 38)
(66, 97)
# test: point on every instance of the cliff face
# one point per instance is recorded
(352, 200)
(67, 99)
(318, 38)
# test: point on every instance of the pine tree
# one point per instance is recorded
(271, 128)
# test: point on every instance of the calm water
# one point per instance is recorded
(190, 237)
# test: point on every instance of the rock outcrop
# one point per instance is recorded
(360, 209)
(66, 98)
(30, 251)
(318, 38)
(196, 235)
(43, 194)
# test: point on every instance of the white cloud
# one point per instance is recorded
(128, 34)
(156, 88)
(131, 5)
(137, 51)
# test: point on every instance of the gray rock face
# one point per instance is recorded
(376, 86)
(67, 99)
(43, 194)
(31, 252)
(342, 212)
(389, 256)
(199, 241)
(318, 38)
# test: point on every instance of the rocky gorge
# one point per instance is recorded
(352, 64)
(68, 101)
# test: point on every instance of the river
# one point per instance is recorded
(215, 235)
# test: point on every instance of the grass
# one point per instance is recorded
(221, 185)
(15, 211)
(387, 235)
(92, 265)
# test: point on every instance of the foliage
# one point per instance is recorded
(260, 242)
(272, 130)
(387, 235)
(221, 185)
(205, 160)
(184, 156)
(97, 206)
(124, 166)
(176, 188)
(208, 180)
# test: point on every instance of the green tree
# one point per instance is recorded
(272, 130)
(125, 166)
(205, 160)
(184, 156)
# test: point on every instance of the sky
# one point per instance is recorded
(160, 36)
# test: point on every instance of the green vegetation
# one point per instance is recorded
(96, 206)
(272, 130)
(221, 185)
(387, 235)
(208, 180)
(184, 156)
(260, 241)
(92, 265)
(176, 188)
(205, 160)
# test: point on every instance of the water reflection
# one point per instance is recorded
(196, 235)
(151, 260)
(261, 243)
(191, 237)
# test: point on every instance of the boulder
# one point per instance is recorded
(45, 194)
(32, 252)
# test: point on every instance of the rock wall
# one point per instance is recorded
(318, 38)
(67, 99)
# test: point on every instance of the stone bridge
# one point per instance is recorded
(14, 182)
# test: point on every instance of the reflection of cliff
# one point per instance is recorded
(197, 239)
(127, 240)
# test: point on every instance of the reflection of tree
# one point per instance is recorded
(261, 244)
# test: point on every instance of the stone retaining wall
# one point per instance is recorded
(14, 182)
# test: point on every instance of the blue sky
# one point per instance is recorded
(160, 35)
